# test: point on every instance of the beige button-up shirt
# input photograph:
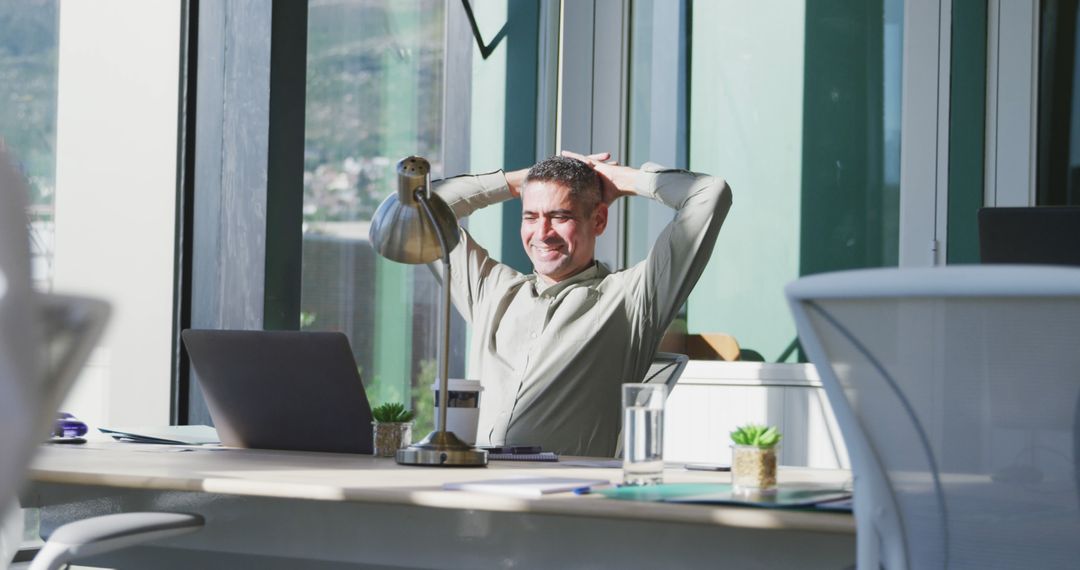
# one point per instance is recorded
(551, 358)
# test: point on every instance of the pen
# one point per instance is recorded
(587, 489)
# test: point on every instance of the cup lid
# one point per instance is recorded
(460, 385)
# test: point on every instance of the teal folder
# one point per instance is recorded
(786, 496)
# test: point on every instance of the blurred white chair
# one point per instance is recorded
(44, 342)
(957, 392)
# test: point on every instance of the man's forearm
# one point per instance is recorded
(467, 193)
(675, 188)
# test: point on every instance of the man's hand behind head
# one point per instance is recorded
(615, 180)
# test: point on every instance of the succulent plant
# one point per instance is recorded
(756, 436)
(390, 413)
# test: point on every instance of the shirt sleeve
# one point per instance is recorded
(663, 281)
(468, 193)
(474, 273)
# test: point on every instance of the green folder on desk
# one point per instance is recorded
(785, 497)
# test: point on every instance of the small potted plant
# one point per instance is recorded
(753, 458)
(393, 428)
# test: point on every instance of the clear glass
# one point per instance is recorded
(374, 96)
(643, 433)
(753, 468)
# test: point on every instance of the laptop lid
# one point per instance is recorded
(282, 389)
(1048, 235)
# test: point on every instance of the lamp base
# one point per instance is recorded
(442, 449)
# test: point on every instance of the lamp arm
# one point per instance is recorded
(444, 337)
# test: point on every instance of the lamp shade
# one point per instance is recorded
(401, 230)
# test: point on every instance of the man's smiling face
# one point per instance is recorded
(558, 234)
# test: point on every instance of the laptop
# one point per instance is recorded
(1048, 235)
(282, 389)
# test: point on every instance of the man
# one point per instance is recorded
(552, 348)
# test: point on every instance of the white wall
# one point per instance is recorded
(116, 194)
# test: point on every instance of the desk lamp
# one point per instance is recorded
(416, 226)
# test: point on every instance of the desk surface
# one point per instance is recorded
(365, 479)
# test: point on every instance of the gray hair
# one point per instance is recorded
(578, 177)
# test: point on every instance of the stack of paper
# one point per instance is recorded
(531, 487)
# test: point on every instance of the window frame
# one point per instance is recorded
(250, 64)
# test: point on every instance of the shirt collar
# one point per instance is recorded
(543, 288)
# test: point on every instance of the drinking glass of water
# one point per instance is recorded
(643, 433)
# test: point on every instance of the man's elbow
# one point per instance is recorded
(719, 193)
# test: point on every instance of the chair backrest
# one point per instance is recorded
(957, 390)
(19, 333)
(44, 339)
(666, 369)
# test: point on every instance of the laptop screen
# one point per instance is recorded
(282, 389)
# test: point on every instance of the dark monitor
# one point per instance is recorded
(1048, 235)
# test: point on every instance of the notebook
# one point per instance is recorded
(282, 389)
(786, 496)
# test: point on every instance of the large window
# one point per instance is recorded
(92, 122)
(379, 75)
(798, 108)
(29, 34)
(374, 96)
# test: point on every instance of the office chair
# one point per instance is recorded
(957, 391)
(666, 368)
(44, 342)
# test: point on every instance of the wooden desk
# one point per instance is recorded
(277, 509)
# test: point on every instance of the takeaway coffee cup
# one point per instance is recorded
(464, 408)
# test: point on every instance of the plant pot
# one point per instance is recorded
(390, 437)
(753, 468)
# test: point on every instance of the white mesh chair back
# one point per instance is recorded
(666, 368)
(957, 390)
(19, 334)
(44, 339)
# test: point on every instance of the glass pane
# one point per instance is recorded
(29, 34)
(797, 105)
(1058, 181)
(657, 119)
(93, 125)
(374, 96)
